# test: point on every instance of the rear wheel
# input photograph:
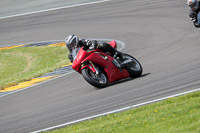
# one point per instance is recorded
(98, 80)
(134, 68)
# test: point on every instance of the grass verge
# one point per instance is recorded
(174, 115)
(24, 63)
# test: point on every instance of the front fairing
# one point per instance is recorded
(78, 56)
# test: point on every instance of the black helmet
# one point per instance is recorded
(71, 42)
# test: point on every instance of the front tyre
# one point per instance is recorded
(98, 80)
(134, 68)
(196, 24)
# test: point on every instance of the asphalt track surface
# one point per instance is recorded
(157, 32)
(16, 7)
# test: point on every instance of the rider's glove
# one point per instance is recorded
(88, 43)
(91, 44)
(94, 45)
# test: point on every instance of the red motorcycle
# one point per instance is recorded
(100, 69)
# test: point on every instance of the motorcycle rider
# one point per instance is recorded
(72, 42)
(194, 11)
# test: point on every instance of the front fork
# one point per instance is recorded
(91, 66)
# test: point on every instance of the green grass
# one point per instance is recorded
(24, 63)
(174, 115)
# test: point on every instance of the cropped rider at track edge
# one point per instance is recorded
(72, 42)
(194, 11)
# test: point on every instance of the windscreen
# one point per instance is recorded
(75, 52)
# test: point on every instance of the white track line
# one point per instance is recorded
(52, 9)
(114, 111)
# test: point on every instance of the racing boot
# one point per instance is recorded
(118, 59)
(119, 54)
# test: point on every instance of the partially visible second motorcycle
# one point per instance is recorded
(194, 20)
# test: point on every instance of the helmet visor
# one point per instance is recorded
(71, 46)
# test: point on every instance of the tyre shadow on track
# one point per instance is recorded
(124, 80)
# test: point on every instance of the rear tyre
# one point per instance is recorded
(98, 81)
(135, 68)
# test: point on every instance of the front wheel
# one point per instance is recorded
(134, 68)
(98, 80)
(196, 24)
